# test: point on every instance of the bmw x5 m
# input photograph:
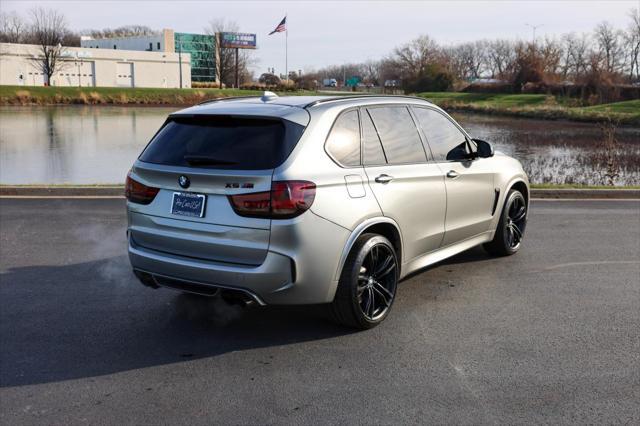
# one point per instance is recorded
(316, 200)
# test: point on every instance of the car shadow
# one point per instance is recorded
(94, 318)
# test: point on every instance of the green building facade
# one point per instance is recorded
(202, 50)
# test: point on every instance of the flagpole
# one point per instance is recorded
(286, 48)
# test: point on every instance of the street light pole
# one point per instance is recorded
(534, 28)
(237, 73)
(180, 60)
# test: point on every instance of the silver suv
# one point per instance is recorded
(310, 200)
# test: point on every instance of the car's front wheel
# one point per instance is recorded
(367, 286)
(510, 231)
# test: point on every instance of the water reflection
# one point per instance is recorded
(559, 151)
(73, 144)
(83, 144)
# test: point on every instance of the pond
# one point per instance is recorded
(92, 145)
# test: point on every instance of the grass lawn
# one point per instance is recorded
(491, 99)
(626, 107)
(27, 95)
(536, 106)
(521, 105)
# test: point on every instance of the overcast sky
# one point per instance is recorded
(324, 33)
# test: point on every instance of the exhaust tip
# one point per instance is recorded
(146, 278)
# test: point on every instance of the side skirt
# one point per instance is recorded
(444, 253)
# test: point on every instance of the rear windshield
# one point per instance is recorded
(223, 142)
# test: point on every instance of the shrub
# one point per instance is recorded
(23, 96)
(205, 85)
(432, 79)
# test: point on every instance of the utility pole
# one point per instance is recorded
(534, 28)
(217, 59)
(237, 73)
(180, 60)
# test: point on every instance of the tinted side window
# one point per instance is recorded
(343, 142)
(373, 153)
(447, 142)
(399, 135)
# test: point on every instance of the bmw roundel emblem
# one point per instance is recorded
(184, 181)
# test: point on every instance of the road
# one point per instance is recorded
(549, 335)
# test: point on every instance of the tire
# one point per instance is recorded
(510, 231)
(368, 282)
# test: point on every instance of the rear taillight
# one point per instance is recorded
(286, 199)
(137, 192)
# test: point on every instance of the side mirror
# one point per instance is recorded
(485, 150)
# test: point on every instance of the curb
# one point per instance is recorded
(118, 191)
(62, 191)
(576, 193)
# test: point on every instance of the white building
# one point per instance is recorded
(200, 47)
(19, 65)
(162, 42)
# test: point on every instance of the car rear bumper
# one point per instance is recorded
(275, 272)
(300, 266)
(272, 282)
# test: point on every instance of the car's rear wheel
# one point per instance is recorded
(368, 283)
(510, 231)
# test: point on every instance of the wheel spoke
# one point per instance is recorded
(375, 287)
(368, 304)
(385, 267)
(382, 291)
(516, 231)
(381, 265)
(387, 271)
(510, 235)
(520, 215)
(372, 297)
(374, 257)
(360, 289)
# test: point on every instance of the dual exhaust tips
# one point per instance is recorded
(231, 296)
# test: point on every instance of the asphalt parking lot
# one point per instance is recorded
(549, 335)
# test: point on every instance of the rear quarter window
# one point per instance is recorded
(223, 142)
(343, 142)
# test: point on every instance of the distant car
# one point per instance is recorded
(330, 82)
(309, 200)
(269, 79)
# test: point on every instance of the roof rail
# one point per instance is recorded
(344, 97)
(227, 98)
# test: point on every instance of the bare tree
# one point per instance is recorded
(576, 55)
(371, 72)
(123, 31)
(471, 58)
(12, 27)
(48, 29)
(500, 57)
(607, 155)
(551, 51)
(610, 47)
(413, 58)
(227, 56)
(632, 43)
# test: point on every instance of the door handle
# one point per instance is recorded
(452, 174)
(384, 178)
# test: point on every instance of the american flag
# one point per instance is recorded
(282, 26)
